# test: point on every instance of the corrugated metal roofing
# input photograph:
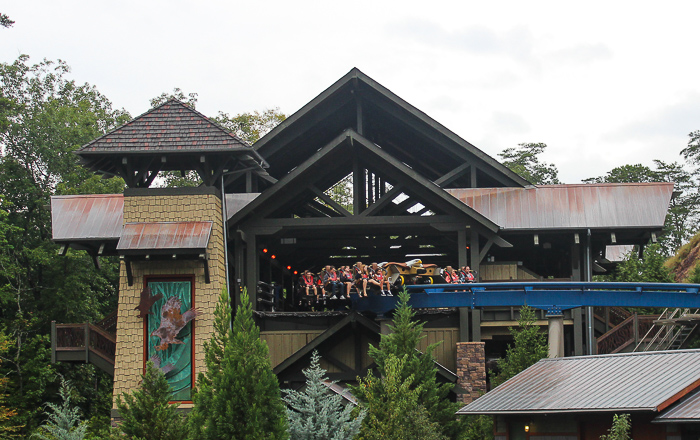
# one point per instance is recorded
(611, 205)
(629, 382)
(171, 127)
(688, 410)
(164, 235)
(87, 217)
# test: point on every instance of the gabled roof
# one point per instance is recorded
(595, 206)
(394, 124)
(172, 127)
(287, 189)
(687, 410)
(650, 381)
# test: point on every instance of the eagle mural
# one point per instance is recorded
(147, 302)
(172, 321)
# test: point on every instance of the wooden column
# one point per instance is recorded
(463, 324)
(472, 180)
(474, 259)
(476, 325)
(238, 271)
(252, 264)
(462, 247)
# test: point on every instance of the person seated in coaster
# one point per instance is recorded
(319, 285)
(384, 284)
(450, 275)
(345, 275)
(360, 276)
(466, 275)
(372, 282)
(307, 284)
(331, 283)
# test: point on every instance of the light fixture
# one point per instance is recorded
(577, 239)
(273, 257)
(295, 272)
(265, 250)
(653, 237)
(527, 428)
(613, 238)
(289, 267)
(537, 239)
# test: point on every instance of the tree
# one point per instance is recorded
(318, 413)
(525, 161)
(627, 174)
(649, 269)
(394, 408)
(47, 117)
(5, 21)
(63, 421)
(620, 429)
(189, 99)
(251, 126)
(147, 414)
(238, 397)
(402, 343)
(529, 346)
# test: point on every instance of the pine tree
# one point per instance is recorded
(147, 414)
(238, 397)
(530, 345)
(403, 342)
(318, 413)
(63, 420)
(394, 409)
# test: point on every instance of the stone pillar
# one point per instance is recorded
(471, 370)
(555, 324)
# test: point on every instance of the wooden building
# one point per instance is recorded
(356, 174)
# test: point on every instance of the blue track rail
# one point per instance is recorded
(554, 297)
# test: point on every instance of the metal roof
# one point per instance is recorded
(596, 206)
(236, 202)
(87, 217)
(150, 236)
(686, 411)
(620, 382)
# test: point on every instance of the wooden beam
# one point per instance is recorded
(344, 222)
(327, 199)
(485, 249)
(384, 200)
(452, 175)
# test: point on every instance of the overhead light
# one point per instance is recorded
(273, 257)
(289, 267)
(265, 251)
(653, 237)
(613, 238)
(537, 239)
(577, 239)
(527, 428)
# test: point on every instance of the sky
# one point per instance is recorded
(602, 83)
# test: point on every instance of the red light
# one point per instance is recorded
(273, 257)
(467, 247)
(264, 250)
(289, 267)
(295, 272)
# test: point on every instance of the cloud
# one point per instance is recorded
(673, 120)
(509, 123)
(581, 54)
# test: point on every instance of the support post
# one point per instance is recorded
(578, 331)
(238, 270)
(53, 342)
(463, 324)
(589, 310)
(462, 247)
(474, 259)
(476, 325)
(555, 325)
(251, 278)
(472, 176)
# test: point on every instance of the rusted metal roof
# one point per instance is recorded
(648, 381)
(595, 206)
(686, 411)
(87, 217)
(150, 236)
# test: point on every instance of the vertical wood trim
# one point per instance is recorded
(476, 325)
(472, 177)
(463, 324)
(578, 332)
(474, 251)
(462, 248)
(251, 277)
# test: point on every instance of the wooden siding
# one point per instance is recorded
(446, 352)
(283, 344)
(505, 271)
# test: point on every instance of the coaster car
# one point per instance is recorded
(413, 272)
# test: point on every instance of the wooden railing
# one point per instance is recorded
(82, 342)
(625, 333)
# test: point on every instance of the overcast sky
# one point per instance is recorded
(601, 83)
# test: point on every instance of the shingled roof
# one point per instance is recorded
(171, 127)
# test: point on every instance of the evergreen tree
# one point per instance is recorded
(63, 420)
(530, 345)
(620, 429)
(402, 342)
(394, 408)
(147, 413)
(318, 413)
(238, 397)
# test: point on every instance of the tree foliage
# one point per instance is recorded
(529, 346)
(317, 413)
(648, 269)
(189, 99)
(238, 397)
(394, 405)
(251, 126)
(63, 421)
(5, 21)
(44, 118)
(525, 161)
(620, 429)
(147, 414)
(402, 344)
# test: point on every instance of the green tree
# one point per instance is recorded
(524, 160)
(402, 343)
(251, 126)
(394, 411)
(5, 21)
(620, 429)
(529, 346)
(47, 117)
(649, 269)
(189, 99)
(147, 414)
(63, 421)
(627, 174)
(238, 397)
(318, 413)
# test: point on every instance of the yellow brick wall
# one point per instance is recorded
(130, 334)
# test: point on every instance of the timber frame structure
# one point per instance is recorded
(357, 174)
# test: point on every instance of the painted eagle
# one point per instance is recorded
(172, 321)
